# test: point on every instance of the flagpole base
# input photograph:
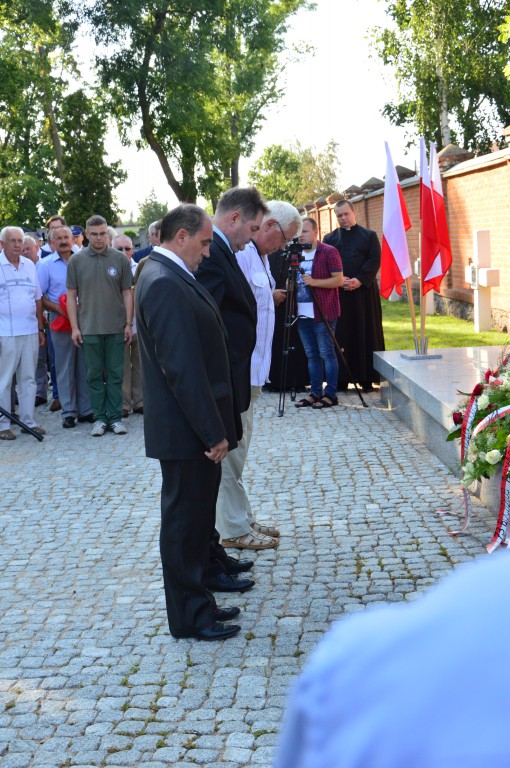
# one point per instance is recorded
(415, 356)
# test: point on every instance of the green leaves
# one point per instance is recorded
(297, 175)
(449, 58)
(195, 78)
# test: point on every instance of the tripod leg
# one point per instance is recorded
(337, 345)
(289, 305)
(20, 423)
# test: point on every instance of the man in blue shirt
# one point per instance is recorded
(69, 359)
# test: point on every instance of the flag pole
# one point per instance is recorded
(412, 311)
(423, 350)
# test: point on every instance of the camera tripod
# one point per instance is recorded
(295, 257)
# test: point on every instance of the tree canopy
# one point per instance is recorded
(449, 61)
(297, 174)
(44, 158)
(196, 77)
(151, 209)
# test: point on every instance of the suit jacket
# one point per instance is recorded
(187, 382)
(223, 278)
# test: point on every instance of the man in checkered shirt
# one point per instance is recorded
(321, 271)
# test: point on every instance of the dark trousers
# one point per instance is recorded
(188, 503)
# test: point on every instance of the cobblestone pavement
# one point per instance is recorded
(89, 675)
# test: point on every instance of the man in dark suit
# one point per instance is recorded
(238, 217)
(190, 417)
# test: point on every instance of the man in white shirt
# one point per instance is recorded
(21, 329)
(234, 517)
(31, 251)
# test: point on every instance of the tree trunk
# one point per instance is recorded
(50, 116)
(446, 134)
(234, 172)
(147, 131)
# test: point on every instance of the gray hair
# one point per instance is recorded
(155, 227)
(285, 214)
(120, 237)
(29, 238)
(3, 233)
(52, 232)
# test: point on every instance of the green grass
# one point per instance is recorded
(442, 330)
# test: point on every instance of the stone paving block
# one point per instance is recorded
(238, 755)
(88, 652)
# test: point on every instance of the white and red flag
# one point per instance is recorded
(395, 262)
(444, 258)
(431, 274)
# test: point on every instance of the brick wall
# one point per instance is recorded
(477, 196)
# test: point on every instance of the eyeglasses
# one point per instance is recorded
(97, 234)
(285, 239)
(123, 248)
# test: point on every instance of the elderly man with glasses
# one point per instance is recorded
(132, 394)
(100, 278)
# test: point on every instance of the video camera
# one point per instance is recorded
(293, 253)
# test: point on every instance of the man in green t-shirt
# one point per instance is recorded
(100, 307)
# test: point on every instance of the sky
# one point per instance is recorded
(336, 94)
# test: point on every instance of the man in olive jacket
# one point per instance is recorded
(190, 418)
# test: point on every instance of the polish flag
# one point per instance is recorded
(395, 263)
(431, 274)
(445, 249)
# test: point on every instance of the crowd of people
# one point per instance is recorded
(193, 360)
(94, 374)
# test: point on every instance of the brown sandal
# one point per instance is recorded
(325, 402)
(252, 540)
(307, 402)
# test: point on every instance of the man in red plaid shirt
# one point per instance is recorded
(322, 271)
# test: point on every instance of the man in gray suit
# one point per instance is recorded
(190, 418)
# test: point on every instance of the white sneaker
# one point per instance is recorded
(98, 429)
(118, 428)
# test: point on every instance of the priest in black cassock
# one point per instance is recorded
(359, 329)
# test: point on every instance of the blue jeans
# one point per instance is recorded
(320, 351)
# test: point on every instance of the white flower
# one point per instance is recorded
(493, 457)
(483, 402)
(491, 440)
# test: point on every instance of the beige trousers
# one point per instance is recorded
(233, 510)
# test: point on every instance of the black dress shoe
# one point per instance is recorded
(225, 582)
(40, 401)
(226, 614)
(88, 419)
(217, 631)
(69, 422)
(237, 566)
